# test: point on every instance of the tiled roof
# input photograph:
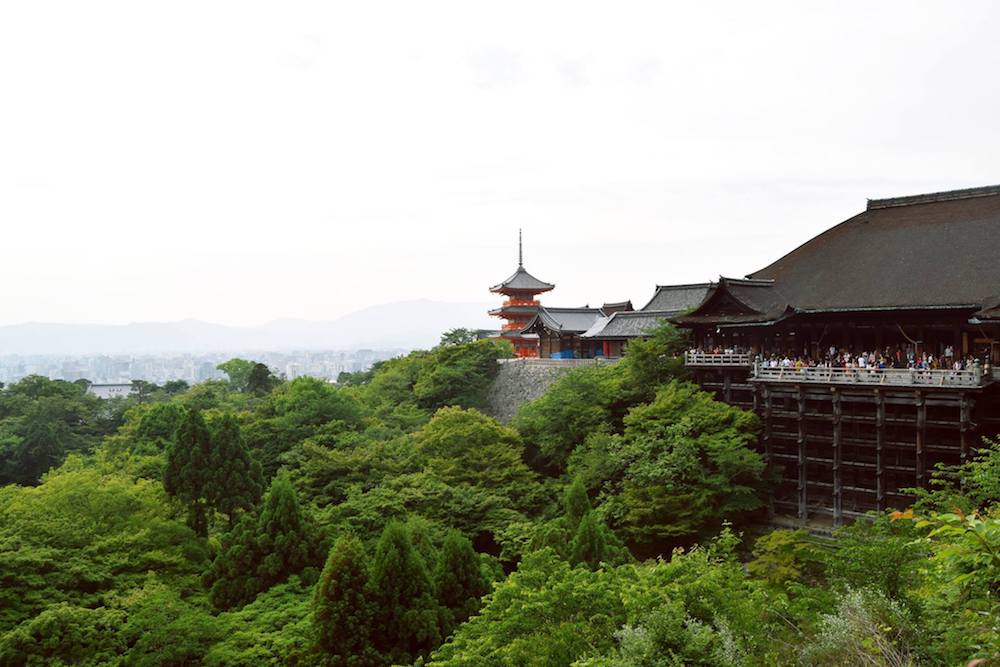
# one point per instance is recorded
(925, 251)
(522, 280)
(565, 320)
(677, 298)
(628, 324)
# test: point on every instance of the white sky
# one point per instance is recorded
(243, 161)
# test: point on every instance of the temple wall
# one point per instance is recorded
(522, 380)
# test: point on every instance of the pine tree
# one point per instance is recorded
(186, 476)
(576, 504)
(459, 581)
(407, 616)
(286, 538)
(235, 482)
(265, 548)
(342, 611)
(590, 544)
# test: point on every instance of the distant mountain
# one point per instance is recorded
(402, 324)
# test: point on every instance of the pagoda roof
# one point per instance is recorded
(521, 280)
(565, 320)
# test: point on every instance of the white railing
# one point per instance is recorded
(875, 376)
(708, 359)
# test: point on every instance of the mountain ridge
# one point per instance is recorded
(400, 324)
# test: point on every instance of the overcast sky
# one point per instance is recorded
(241, 161)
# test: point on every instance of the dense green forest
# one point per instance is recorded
(619, 520)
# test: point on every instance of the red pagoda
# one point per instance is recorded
(521, 306)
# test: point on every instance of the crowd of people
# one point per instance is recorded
(900, 357)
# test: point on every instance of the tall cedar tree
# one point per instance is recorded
(576, 504)
(342, 610)
(265, 548)
(188, 471)
(459, 581)
(590, 545)
(235, 479)
(286, 537)
(406, 624)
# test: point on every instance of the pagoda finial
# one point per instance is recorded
(520, 250)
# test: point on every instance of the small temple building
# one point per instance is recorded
(520, 307)
(609, 335)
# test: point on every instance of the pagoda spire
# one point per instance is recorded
(520, 250)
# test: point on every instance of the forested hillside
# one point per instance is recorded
(617, 521)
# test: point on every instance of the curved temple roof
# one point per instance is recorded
(521, 280)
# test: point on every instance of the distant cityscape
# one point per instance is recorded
(191, 368)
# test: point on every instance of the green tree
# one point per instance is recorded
(188, 474)
(577, 405)
(467, 447)
(457, 337)
(684, 464)
(235, 482)
(591, 545)
(265, 548)
(576, 504)
(459, 375)
(238, 370)
(342, 611)
(406, 622)
(459, 581)
(261, 381)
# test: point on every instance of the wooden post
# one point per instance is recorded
(963, 426)
(767, 424)
(727, 390)
(879, 450)
(921, 436)
(838, 506)
(803, 492)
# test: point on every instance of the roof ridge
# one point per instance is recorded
(684, 286)
(932, 197)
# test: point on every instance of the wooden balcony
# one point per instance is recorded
(717, 360)
(876, 377)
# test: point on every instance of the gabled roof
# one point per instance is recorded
(740, 301)
(677, 298)
(522, 280)
(936, 250)
(564, 320)
(632, 324)
(617, 306)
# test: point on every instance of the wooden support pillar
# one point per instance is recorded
(879, 450)
(767, 424)
(838, 496)
(727, 388)
(921, 437)
(802, 489)
(963, 426)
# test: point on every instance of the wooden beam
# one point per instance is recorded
(802, 488)
(879, 451)
(921, 437)
(767, 425)
(838, 495)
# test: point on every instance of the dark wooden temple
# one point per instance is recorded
(869, 352)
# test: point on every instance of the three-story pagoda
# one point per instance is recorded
(520, 307)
